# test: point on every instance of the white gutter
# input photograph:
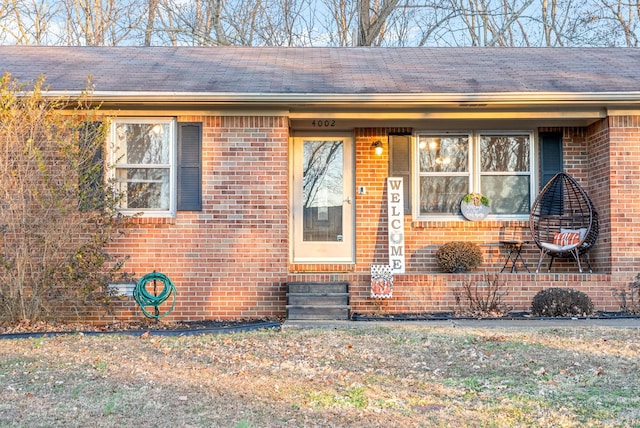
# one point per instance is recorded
(369, 98)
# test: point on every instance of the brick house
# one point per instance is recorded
(264, 169)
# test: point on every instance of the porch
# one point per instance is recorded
(436, 292)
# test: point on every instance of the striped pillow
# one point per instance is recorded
(566, 238)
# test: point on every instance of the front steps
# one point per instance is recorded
(318, 301)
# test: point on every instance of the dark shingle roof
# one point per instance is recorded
(245, 70)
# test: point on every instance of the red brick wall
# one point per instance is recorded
(230, 260)
(423, 238)
(624, 225)
(422, 288)
(437, 292)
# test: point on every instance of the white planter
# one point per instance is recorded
(474, 212)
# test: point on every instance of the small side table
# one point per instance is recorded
(514, 252)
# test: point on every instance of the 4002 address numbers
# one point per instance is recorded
(323, 123)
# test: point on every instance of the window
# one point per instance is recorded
(496, 164)
(153, 160)
(143, 157)
(443, 162)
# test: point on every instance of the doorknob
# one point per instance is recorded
(348, 200)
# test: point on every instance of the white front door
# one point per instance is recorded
(322, 203)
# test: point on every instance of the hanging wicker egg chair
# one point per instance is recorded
(563, 221)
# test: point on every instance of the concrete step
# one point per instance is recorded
(299, 312)
(318, 299)
(317, 287)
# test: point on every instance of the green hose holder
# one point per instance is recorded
(145, 299)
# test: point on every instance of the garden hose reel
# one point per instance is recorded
(146, 299)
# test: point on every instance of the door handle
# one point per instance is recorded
(348, 200)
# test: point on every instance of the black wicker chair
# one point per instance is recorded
(563, 207)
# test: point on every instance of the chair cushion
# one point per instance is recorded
(558, 248)
(563, 241)
(566, 238)
(582, 231)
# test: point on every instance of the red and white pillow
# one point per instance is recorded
(566, 238)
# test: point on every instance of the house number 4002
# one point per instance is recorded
(327, 123)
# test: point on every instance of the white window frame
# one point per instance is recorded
(113, 164)
(474, 174)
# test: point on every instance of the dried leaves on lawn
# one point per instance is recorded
(367, 377)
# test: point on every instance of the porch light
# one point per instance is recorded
(377, 147)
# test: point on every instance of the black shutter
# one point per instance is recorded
(91, 184)
(189, 166)
(550, 164)
(400, 164)
(550, 156)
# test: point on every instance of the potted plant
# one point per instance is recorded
(474, 206)
(459, 256)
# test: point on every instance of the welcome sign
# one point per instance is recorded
(396, 224)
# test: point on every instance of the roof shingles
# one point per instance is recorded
(247, 70)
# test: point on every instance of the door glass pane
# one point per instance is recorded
(322, 190)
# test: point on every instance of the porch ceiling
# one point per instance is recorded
(349, 115)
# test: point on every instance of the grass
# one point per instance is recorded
(401, 376)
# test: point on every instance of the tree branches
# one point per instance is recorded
(326, 23)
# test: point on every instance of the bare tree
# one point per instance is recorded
(242, 22)
(283, 22)
(325, 23)
(102, 22)
(566, 23)
(372, 19)
(371, 22)
(198, 23)
(151, 18)
(27, 22)
(400, 25)
(619, 20)
(493, 23)
(340, 20)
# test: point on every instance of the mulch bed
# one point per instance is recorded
(39, 328)
(435, 316)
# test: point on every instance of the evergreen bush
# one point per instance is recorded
(561, 302)
(458, 256)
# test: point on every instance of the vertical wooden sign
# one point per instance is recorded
(395, 202)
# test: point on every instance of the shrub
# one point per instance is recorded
(459, 256)
(630, 300)
(57, 213)
(482, 298)
(560, 302)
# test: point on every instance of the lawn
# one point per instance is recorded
(398, 375)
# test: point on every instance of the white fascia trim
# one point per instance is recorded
(264, 98)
